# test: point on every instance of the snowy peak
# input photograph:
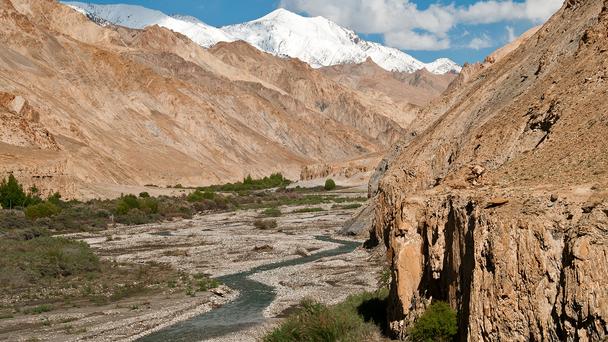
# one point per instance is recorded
(138, 17)
(317, 41)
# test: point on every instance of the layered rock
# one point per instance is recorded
(498, 204)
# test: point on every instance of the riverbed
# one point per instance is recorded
(285, 264)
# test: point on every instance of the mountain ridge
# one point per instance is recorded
(346, 47)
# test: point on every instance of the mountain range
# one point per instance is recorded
(316, 41)
(90, 108)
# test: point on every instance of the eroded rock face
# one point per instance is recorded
(497, 205)
(513, 272)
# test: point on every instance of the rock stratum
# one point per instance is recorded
(497, 200)
(88, 105)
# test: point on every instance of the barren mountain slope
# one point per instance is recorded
(500, 207)
(408, 92)
(111, 105)
(417, 88)
(318, 92)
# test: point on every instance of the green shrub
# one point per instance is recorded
(329, 185)
(272, 212)
(199, 196)
(265, 224)
(44, 209)
(206, 284)
(359, 318)
(126, 203)
(148, 205)
(438, 323)
(37, 310)
(144, 195)
(276, 180)
(55, 199)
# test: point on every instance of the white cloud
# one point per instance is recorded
(396, 19)
(510, 34)
(480, 42)
(409, 40)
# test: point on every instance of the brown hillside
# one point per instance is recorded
(499, 206)
(134, 107)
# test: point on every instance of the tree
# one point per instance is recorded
(330, 185)
(12, 194)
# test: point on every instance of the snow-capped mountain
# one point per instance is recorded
(316, 41)
(138, 17)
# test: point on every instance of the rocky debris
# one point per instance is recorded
(263, 248)
(496, 202)
(361, 222)
(221, 291)
(303, 252)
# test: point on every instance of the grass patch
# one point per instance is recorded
(37, 310)
(309, 210)
(359, 318)
(272, 212)
(347, 206)
(29, 261)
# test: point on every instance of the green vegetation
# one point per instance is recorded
(199, 196)
(12, 194)
(37, 310)
(359, 318)
(276, 180)
(41, 210)
(438, 323)
(347, 206)
(204, 283)
(272, 212)
(330, 185)
(29, 261)
(265, 224)
(309, 210)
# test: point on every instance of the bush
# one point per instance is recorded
(200, 196)
(265, 224)
(272, 212)
(126, 203)
(359, 318)
(149, 205)
(144, 195)
(45, 209)
(438, 323)
(329, 185)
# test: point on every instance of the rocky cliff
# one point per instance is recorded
(499, 205)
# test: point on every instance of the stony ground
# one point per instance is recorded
(214, 244)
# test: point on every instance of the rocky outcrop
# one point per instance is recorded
(498, 204)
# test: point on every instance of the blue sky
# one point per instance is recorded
(463, 30)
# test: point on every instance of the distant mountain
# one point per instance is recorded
(316, 41)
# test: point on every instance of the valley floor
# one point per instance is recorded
(216, 245)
